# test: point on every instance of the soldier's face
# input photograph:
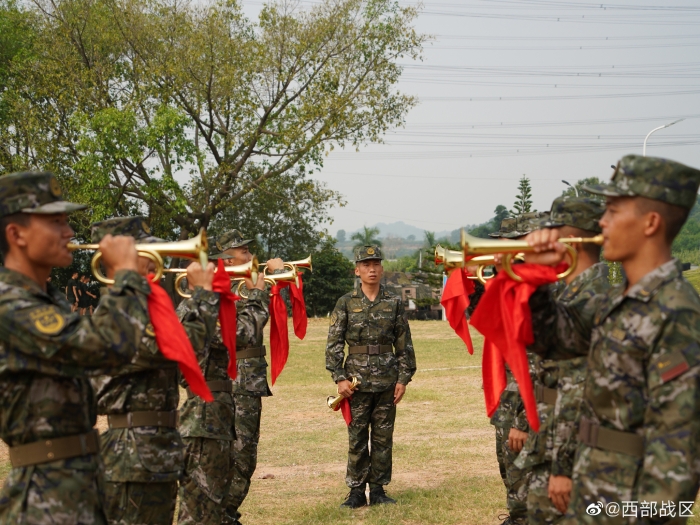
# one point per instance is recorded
(240, 255)
(369, 272)
(45, 239)
(623, 229)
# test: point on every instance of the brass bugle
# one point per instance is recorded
(334, 401)
(474, 246)
(248, 270)
(271, 279)
(454, 259)
(194, 248)
(293, 265)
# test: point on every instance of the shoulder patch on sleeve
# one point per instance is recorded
(150, 331)
(47, 319)
(672, 365)
(334, 318)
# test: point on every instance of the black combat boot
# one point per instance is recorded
(355, 499)
(377, 496)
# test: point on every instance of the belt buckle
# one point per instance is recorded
(373, 349)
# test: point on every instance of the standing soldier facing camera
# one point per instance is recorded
(47, 413)
(371, 320)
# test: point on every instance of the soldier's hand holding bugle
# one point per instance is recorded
(198, 276)
(118, 253)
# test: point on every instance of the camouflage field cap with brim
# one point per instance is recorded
(36, 192)
(514, 227)
(654, 178)
(579, 212)
(135, 227)
(215, 253)
(230, 239)
(368, 252)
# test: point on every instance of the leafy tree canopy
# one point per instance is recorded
(366, 236)
(523, 199)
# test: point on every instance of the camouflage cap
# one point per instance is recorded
(135, 227)
(579, 212)
(513, 227)
(654, 178)
(231, 239)
(370, 251)
(33, 192)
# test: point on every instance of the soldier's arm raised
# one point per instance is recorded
(335, 344)
(672, 415)
(109, 337)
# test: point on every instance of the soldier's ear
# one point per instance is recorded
(357, 270)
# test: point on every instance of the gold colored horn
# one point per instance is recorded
(473, 246)
(334, 401)
(194, 248)
(271, 279)
(293, 265)
(453, 259)
(248, 270)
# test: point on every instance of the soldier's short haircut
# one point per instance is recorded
(16, 218)
(674, 216)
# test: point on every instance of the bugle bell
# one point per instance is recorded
(194, 248)
(293, 265)
(248, 270)
(473, 247)
(334, 401)
(452, 259)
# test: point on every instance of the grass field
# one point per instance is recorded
(445, 469)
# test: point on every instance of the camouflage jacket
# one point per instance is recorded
(359, 321)
(215, 420)
(644, 377)
(556, 440)
(149, 383)
(46, 350)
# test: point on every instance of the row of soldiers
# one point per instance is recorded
(60, 370)
(615, 369)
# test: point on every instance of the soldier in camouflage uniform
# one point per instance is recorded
(370, 320)
(48, 406)
(142, 450)
(559, 373)
(509, 419)
(639, 435)
(222, 437)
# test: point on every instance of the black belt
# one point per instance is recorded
(223, 385)
(54, 449)
(546, 395)
(143, 419)
(371, 349)
(592, 434)
(250, 351)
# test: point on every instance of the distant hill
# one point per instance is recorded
(401, 229)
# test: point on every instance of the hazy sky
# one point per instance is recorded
(551, 89)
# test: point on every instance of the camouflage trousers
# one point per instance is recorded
(371, 463)
(540, 509)
(138, 503)
(205, 482)
(248, 411)
(47, 495)
(516, 480)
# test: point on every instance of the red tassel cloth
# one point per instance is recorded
(172, 340)
(227, 315)
(503, 317)
(298, 308)
(279, 335)
(344, 408)
(455, 300)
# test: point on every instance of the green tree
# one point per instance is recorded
(588, 181)
(483, 230)
(286, 215)
(331, 278)
(365, 237)
(341, 235)
(523, 200)
(179, 109)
